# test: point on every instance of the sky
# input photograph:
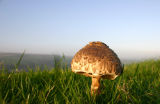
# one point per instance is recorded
(130, 27)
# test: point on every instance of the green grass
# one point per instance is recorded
(139, 84)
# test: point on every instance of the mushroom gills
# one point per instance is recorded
(83, 73)
(109, 76)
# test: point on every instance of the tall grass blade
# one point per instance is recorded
(19, 61)
(136, 70)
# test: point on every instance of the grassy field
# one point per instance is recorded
(139, 84)
(31, 60)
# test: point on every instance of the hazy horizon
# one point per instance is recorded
(130, 28)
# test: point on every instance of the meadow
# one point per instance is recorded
(139, 84)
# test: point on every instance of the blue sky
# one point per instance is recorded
(130, 27)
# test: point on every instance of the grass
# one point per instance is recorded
(139, 84)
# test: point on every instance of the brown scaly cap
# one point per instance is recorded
(96, 59)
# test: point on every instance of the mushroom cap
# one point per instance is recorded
(96, 59)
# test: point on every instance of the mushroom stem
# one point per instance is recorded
(95, 87)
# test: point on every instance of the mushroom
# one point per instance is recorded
(98, 61)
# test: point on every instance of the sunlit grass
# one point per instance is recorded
(140, 83)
